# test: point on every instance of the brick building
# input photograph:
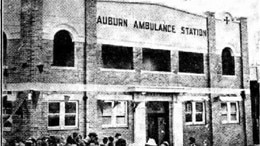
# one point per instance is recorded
(140, 69)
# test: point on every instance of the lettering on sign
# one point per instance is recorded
(152, 26)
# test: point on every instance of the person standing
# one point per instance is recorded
(119, 140)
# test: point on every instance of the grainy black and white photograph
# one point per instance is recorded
(130, 72)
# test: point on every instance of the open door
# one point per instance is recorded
(158, 121)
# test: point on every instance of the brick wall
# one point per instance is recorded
(32, 119)
(200, 132)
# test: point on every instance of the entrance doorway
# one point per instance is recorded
(158, 121)
(254, 89)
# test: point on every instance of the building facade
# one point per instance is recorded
(144, 70)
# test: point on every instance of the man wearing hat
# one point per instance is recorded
(151, 142)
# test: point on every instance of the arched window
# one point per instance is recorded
(4, 49)
(63, 51)
(228, 63)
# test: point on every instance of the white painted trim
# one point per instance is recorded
(114, 97)
(152, 98)
(230, 98)
(156, 72)
(65, 67)
(229, 76)
(114, 115)
(50, 32)
(62, 115)
(193, 113)
(193, 98)
(146, 45)
(67, 87)
(117, 70)
(228, 121)
(177, 124)
(191, 74)
(223, 46)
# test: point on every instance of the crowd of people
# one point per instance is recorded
(74, 139)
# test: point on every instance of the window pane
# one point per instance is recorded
(233, 117)
(199, 106)
(224, 108)
(63, 51)
(70, 107)
(70, 120)
(120, 109)
(118, 57)
(156, 60)
(7, 107)
(199, 117)
(54, 107)
(53, 120)
(191, 62)
(120, 120)
(188, 117)
(188, 107)
(6, 123)
(107, 108)
(233, 107)
(224, 117)
(106, 120)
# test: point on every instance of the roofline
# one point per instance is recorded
(154, 4)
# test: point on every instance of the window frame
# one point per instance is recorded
(5, 50)
(114, 116)
(228, 112)
(194, 112)
(62, 115)
(6, 115)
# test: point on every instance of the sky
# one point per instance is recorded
(237, 8)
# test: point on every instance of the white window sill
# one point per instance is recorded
(64, 67)
(191, 74)
(7, 128)
(230, 122)
(155, 72)
(63, 128)
(115, 126)
(117, 70)
(194, 123)
(229, 76)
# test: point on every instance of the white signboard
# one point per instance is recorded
(150, 26)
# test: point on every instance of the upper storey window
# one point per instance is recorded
(4, 49)
(191, 62)
(63, 52)
(156, 60)
(117, 57)
(228, 63)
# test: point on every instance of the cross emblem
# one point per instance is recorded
(227, 20)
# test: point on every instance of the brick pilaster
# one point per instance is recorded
(31, 33)
(211, 60)
(246, 105)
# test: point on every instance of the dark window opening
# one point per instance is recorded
(191, 62)
(4, 49)
(117, 57)
(7, 106)
(228, 63)
(156, 60)
(63, 52)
